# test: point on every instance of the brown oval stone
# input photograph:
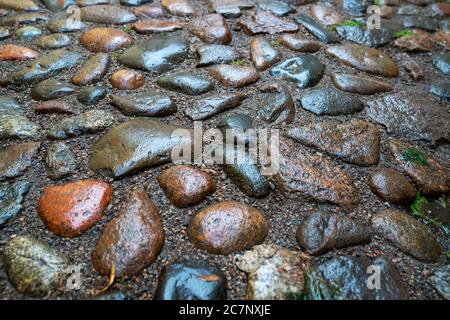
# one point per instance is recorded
(105, 39)
(178, 7)
(322, 231)
(233, 75)
(149, 26)
(148, 11)
(390, 185)
(127, 79)
(407, 234)
(227, 227)
(262, 54)
(93, 70)
(132, 240)
(326, 15)
(185, 185)
(297, 42)
(366, 59)
(211, 28)
(18, 53)
(360, 85)
(69, 210)
(54, 106)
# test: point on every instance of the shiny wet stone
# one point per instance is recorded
(33, 267)
(159, 54)
(185, 82)
(150, 104)
(91, 95)
(303, 70)
(51, 89)
(191, 280)
(12, 196)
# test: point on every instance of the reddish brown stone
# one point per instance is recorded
(148, 11)
(127, 79)
(69, 210)
(431, 179)
(13, 52)
(366, 59)
(418, 41)
(390, 185)
(442, 38)
(297, 42)
(105, 39)
(211, 28)
(261, 21)
(132, 240)
(54, 106)
(302, 173)
(414, 69)
(262, 54)
(149, 26)
(185, 185)
(234, 75)
(178, 7)
(360, 85)
(227, 227)
(326, 15)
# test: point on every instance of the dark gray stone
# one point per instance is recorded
(348, 276)
(191, 281)
(11, 200)
(51, 89)
(43, 67)
(91, 95)
(185, 82)
(318, 30)
(330, 102)
(159, 54)
(149, 104)
(216, 54)
(304, 70)
(213, 104)
(60, 161)
(87, 122)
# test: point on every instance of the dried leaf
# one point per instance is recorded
(112, 277)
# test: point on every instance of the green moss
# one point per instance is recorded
(316, 288)
(416, 206)
(403, 33)
(274, 43)
(346, 23)
(377, 3)
(115, 54)
(414, 156)
(238, 62)
(127, 29)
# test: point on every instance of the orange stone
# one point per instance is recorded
(69, 210)
(127, 79)
(13, 52)
(105, 39)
